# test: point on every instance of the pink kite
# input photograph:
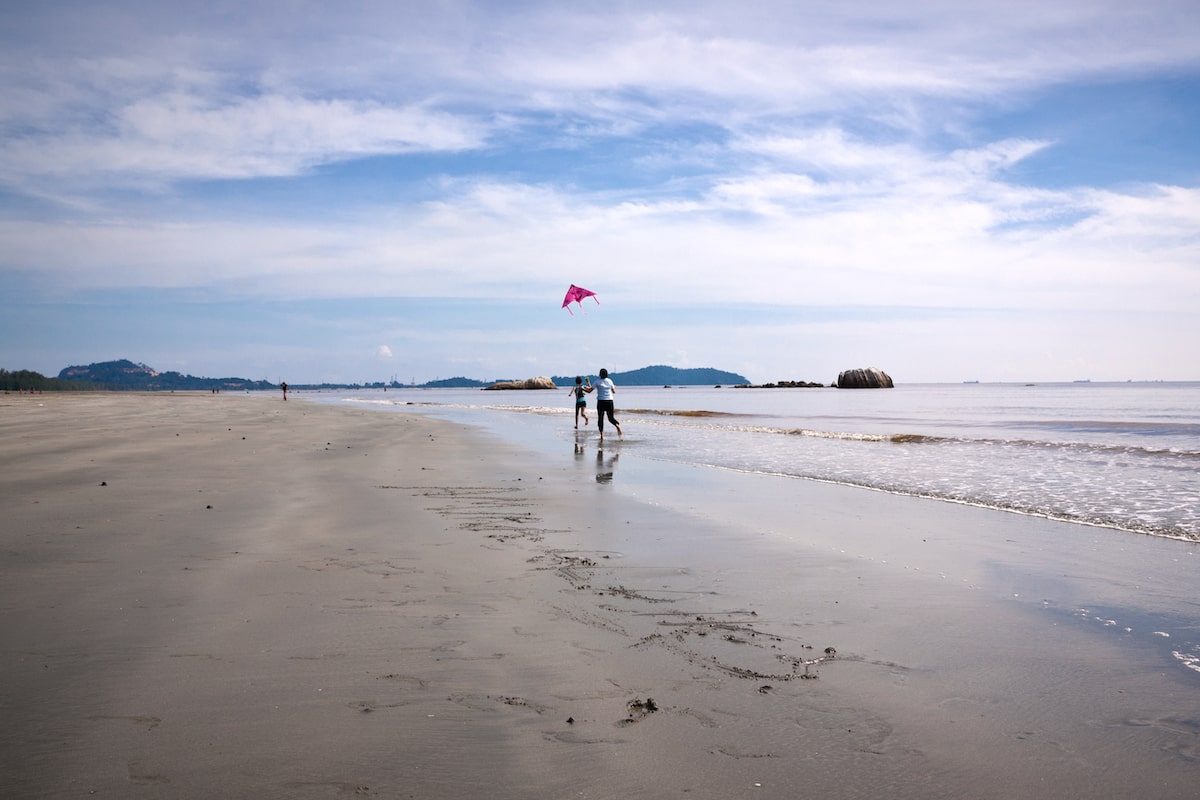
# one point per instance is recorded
(575, 295)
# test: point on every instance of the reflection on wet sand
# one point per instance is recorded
(605, 464)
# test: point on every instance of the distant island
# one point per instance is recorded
(120, 375)
(665, 376)
(658, 375)
(127, 375)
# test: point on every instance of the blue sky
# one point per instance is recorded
(355, 191)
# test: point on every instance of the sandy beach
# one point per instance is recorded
(234, 596)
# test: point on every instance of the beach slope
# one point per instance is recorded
(234, 596)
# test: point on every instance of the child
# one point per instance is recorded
(580, 401)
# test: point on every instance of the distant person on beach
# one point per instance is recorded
(580, 401)
(604, 390)
(284, 387)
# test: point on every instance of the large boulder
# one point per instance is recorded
(540, 382)
(869, 378)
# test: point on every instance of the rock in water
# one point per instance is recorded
(540, 382)
(869, 378)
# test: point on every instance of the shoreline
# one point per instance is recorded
(1064, 475)
(351, 602)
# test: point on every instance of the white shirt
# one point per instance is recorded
(604, 389)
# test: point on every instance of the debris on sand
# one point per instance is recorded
(649, 706)
(639, 710)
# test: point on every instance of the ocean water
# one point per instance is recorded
(1118, 455)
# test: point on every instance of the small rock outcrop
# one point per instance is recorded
(540, 382)
(781, 385)
(869, 378)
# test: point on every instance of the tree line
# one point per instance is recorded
(24, 380)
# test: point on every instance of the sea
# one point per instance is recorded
(1124, 456)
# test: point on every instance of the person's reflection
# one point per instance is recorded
(605, 466)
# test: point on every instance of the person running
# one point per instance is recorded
(605, 389)
(580, 400)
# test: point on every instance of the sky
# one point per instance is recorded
(362, 191)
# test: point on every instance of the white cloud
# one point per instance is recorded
(173, 137)
(384, 352)
(758, 239)
(192, 99)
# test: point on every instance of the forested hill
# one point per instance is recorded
(127, 375)
(25, 380)
(666, 376)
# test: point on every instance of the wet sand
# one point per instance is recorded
(220, 595)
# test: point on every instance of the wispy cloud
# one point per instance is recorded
(196, 99)
(175, 137)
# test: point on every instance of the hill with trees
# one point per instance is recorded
(666, 376)
(456, 383)
(125, 375)
(24, 380)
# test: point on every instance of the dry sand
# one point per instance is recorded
(230, 596)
